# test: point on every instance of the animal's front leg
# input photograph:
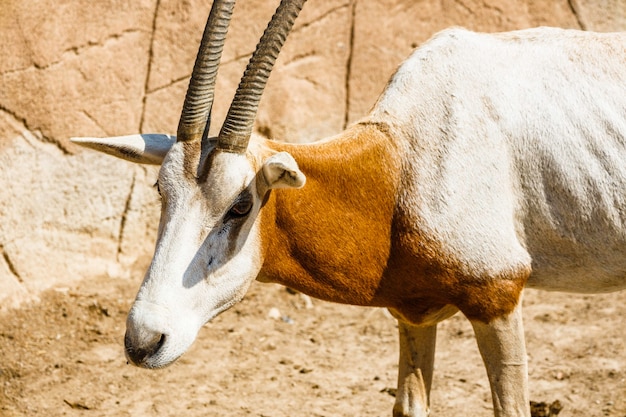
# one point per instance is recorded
(502, 346)
(415, 371)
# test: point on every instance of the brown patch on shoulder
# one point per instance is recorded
(496, 297)
(437, 278)
(479, 298)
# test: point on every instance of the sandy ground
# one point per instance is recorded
(63, 357)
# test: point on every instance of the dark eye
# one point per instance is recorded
(240, 209)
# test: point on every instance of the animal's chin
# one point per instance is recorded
(158, 363)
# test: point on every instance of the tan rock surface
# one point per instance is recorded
(78, 67)
(601, 16)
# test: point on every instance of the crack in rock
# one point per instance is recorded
(35, 134)
(122, 228)
(149, 66)
(574, 8)
(75, 51)
(346, 118)
(11, 265)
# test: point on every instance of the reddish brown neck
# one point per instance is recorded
(331, 239)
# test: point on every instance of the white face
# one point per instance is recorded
(206, 256)
(208, 249)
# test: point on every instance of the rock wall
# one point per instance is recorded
(112, 67)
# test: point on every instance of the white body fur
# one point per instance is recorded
(529, 127)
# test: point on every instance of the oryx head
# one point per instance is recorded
(208, 248)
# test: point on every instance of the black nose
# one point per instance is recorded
(139, 350)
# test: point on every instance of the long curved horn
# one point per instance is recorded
(196, 114)
(237, 128)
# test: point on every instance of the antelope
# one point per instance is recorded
(490, 163)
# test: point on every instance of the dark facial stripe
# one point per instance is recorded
(236, 223)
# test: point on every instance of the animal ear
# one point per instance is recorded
(142, 149)
(281, 171)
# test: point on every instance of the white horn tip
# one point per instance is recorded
(143, 149)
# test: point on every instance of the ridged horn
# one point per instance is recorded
(235, 133)
(196, 115)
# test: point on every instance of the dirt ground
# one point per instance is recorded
(272, 356)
